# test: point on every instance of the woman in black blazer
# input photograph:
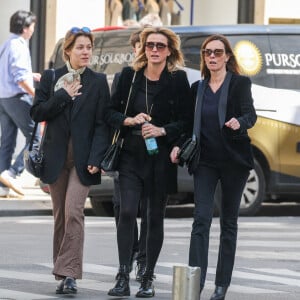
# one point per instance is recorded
(224, 111)
(159, 93)
(75, 142)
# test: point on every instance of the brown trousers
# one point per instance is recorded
(68, 197)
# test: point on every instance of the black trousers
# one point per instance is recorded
(139, 240)
(233, 178)
(141, 176)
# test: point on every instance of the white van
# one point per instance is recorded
(270, 56)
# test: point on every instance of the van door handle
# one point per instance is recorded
(298, 147)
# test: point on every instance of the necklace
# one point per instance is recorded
(147, 105)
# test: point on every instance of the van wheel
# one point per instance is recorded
(102, 206)
(253, 194)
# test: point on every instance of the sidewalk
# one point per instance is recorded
(34, 202)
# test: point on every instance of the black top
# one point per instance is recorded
(212, 145)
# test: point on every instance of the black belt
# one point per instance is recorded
(136, 132)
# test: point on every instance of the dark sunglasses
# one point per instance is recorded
(159, 46)
(216, 52)
(75, 30)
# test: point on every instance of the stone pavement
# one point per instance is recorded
(34, 202)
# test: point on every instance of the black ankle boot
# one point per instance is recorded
(140, 270)
(121, 287)
(219, 293)
(146, 289)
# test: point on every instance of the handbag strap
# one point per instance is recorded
(37, 123)
(117, 132)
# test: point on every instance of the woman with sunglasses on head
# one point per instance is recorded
(157, 93)
(74, 144)
(224, 111)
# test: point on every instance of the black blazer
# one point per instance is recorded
(81, 120)
(172, 109)
(238, 103)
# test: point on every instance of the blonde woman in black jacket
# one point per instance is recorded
(158, 107)
(224, 111)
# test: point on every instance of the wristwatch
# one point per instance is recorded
(163, 131)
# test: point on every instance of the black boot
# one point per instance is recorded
(219, 293)
(140, 270)
(121, 287)
(146, 289)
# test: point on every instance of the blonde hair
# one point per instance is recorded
(175, 60)
(70, 39)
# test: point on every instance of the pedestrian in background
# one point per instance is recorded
(160, 96)
(224, 111)
(75, 142)
(16, 94)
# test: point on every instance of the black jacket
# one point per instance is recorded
(238, 103)
(172, 105)
(172, 109)
(81, 120)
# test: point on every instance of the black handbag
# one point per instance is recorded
(111, 157)
(187, 151)
(34, 155)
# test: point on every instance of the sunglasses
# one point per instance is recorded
(75, 30)
(159, 46)
(216, 52)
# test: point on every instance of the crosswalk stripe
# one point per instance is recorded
(15, 295)
(281, 272)
(248, 234)
(241, 243)
(269, 255)
(260, 277)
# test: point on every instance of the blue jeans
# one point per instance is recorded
(14, 115)
(233, 179)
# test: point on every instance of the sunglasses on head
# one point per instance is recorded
(216, 52)
(159, 46)
(75, 30)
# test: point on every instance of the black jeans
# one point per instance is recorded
(141, 176)
(233, 178)
(139, 241)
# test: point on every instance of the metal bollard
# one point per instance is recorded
(186, 283)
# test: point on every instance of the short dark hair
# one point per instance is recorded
(20, 20)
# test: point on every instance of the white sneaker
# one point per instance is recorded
(7, 179)
(4, 191)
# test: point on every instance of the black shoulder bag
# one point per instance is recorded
(189, 153)
(111, 157)
(34, 155)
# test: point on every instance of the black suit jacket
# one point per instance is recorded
(237, 103)
(81, 120)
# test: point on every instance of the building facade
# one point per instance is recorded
(55, 17)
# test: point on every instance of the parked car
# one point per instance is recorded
(270, 56)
